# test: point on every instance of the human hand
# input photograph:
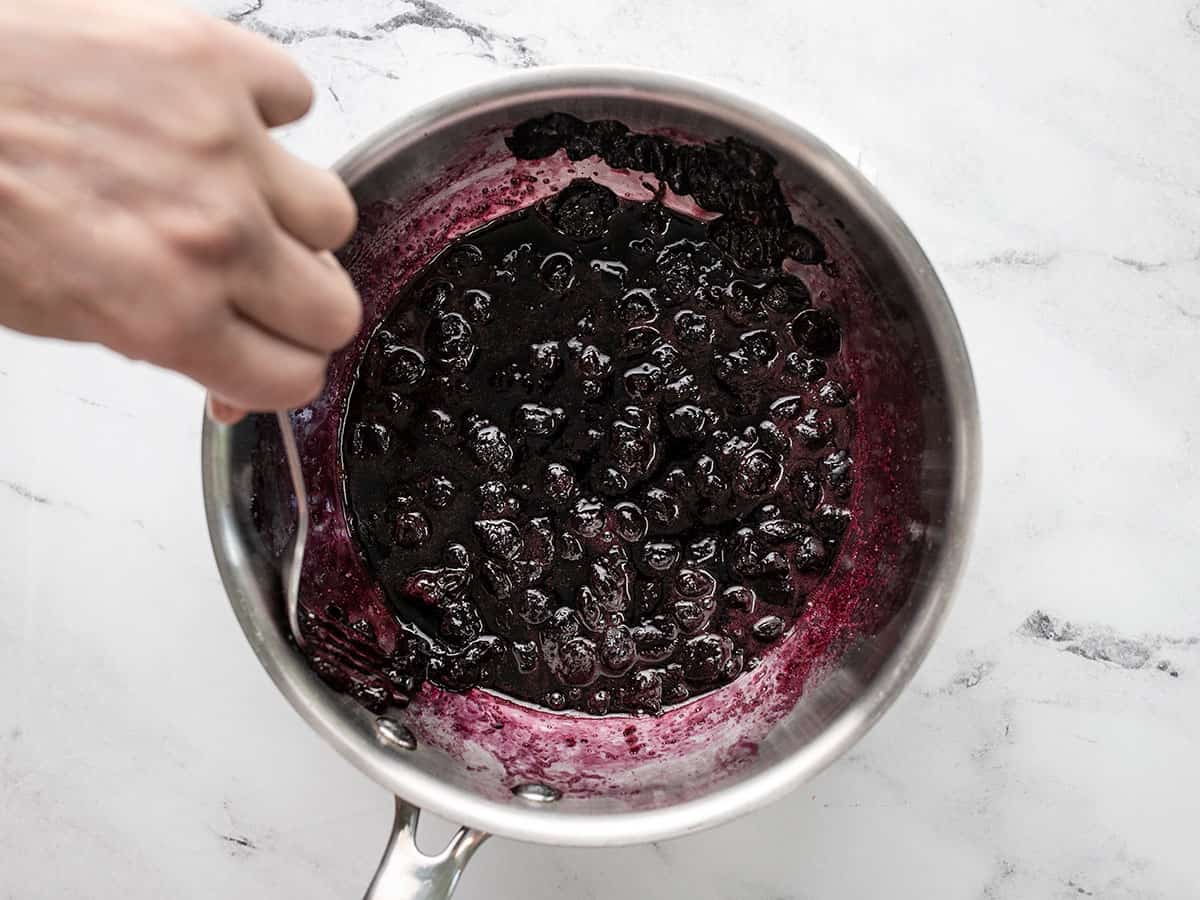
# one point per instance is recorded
(144, 205)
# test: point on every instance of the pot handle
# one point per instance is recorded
(405, 873)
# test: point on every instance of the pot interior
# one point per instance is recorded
(864, 630)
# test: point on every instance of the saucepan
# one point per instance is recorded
(505, 768)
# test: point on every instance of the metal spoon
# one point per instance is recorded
(293, 553)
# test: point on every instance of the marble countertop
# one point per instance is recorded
(1048, 158)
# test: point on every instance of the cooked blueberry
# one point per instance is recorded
(581, 210)
(768, 628)
(412, 529)
(800, 368)
(405, 368)
(705, 657)
(831, 393)
(617, 649)
(817, 332)
(693, 328)
(557, 272)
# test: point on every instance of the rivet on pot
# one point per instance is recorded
(537, 793)
(394, 734)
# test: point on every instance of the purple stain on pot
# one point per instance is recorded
(845, 436)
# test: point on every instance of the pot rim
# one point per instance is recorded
(553, 826)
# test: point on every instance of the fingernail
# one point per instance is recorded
(221, 412)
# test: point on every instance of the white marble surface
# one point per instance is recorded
(1048, 157)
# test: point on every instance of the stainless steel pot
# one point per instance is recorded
(731, 751)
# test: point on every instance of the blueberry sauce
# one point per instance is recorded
(596, 455)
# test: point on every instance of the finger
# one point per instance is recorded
(223, 412)
(251, 370)
(310, 203)
(281, 90)
(300, 297)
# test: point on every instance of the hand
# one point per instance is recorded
(144, 205)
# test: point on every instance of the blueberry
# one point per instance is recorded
(525, 654)
(594, 363)
(817, 332)
(787, 294)
(460, 623)
(683, 389)
(478, 305)
(587, 518)
(778, 530)
(610, 268)
(438, 490)
(560, 483)
(687, 421)
(639, 339)
(555, 700)
(643, 382)
(636, 307)
(564, 624)
(461, 257)
(760, 345)
(405, 368)
(692, 615)
(809, 554)
(837, 468)
(591, 613)
(757, 474)
(701, 550)
(800, 368)
(660, 556)
(539, 541)
(734, 367)
(740, 597)
(629, 522)
(577, 662)
(500, 538)
(768, 628)
(569, 547)
(675, 690)
(693, 329)
(491, 448)
(434, 296)
(831, 521)
(610, 482)
(452, 341)
(744, 303)
(805, 488)
(537, 421)
(617, 649)
(695, 583)
(370, 439)
(557, 272)
(642, 692)
(534, 606)
(661, 506)
(412, 529)
(704, 657)
(437, 424)
(667, 356)
(831, 393)
(546, 357)
(581, 210)
(814, 428)
(788, 408)
(656, 641)
(774, 439)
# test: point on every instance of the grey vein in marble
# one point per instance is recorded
(1015, 258)
(1101, 644)
(422, 14)
(21, 491)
